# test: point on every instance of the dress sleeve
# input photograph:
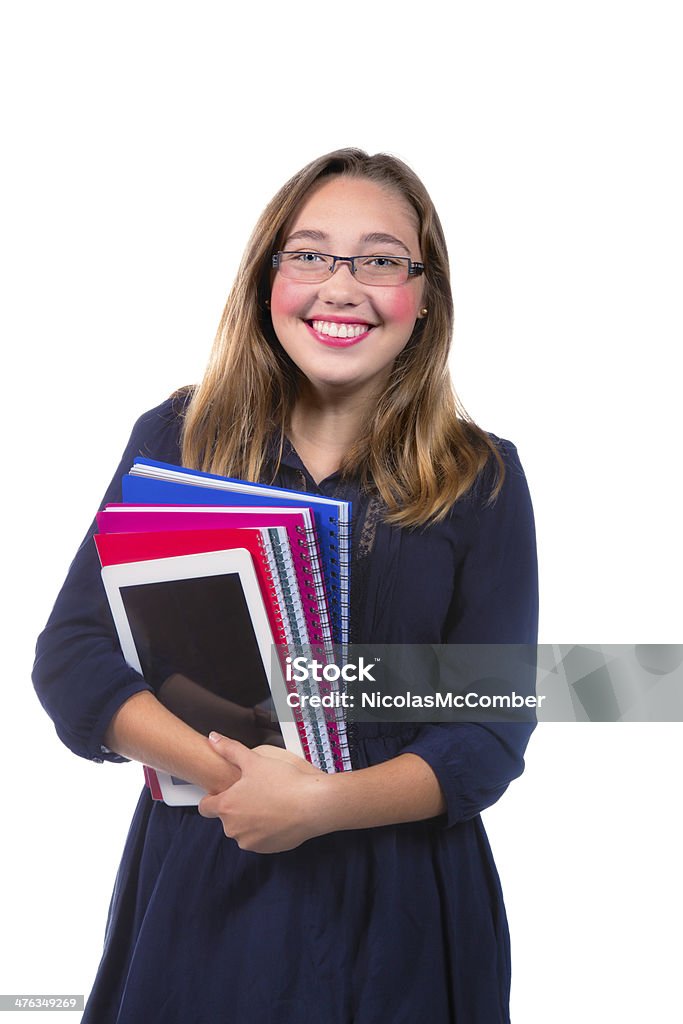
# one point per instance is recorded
(80, 674)
(495, 602)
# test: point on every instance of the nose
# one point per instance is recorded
(341, 287)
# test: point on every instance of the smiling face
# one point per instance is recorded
(344, 335)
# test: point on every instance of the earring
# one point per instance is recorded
(424, 311)
(267, 303)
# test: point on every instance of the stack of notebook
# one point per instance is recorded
(215, 585)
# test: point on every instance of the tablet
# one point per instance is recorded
(200, 619)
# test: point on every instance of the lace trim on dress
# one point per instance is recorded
(366, 541)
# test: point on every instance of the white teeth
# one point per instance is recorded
(340, 330)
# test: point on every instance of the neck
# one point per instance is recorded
(328, 425)
(323, 432)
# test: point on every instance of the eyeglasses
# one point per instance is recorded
(314, 267)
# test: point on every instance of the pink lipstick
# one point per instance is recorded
(328, 330)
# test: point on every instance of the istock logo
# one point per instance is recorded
(300, 669)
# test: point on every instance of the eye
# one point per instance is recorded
(307, 257)
(382, 262)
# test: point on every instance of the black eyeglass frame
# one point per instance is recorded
(414, 268)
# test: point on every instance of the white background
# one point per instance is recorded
(141, 142)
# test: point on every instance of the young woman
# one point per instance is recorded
(371, 895)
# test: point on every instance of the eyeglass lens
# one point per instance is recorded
(316, 266)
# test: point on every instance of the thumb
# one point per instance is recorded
(231, 750)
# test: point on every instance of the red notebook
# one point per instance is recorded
(118, 548)
(115, 548)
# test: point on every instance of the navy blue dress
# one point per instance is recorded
(389, 925)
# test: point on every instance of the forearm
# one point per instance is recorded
(402, 789)
(144, 730)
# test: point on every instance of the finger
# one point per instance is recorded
(231, 750)
(267, 750)
(207, 807)
(278, 753)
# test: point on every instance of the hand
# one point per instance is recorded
(275, 805)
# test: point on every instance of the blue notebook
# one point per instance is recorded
(161, 483)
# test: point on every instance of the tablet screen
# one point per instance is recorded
(197, 647)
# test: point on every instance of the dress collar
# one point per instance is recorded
(292, 460)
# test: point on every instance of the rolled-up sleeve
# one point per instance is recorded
(80, 674)
(495, 602)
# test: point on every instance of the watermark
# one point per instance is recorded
(484, 682)
(448, 701)
(33, 1001)
(303, 669)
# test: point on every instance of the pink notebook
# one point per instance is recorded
(123, 518)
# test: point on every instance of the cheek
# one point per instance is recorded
(400, 306)
(285, 298)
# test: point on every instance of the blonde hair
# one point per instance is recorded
(418, 449)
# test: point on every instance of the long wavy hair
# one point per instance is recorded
(418, 449)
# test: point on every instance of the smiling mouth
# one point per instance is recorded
(336, 330)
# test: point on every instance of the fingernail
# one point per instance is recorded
(215, 737)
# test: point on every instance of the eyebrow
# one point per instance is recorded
(375, 236)
(379, 236)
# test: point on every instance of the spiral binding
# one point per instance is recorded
(321, 744)
(286, 579)
(335, 592)
(316, 578)
(272, 587)
(320, 630)
(328, 727)
(340, 544)
(328, 598)
(281, 640)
